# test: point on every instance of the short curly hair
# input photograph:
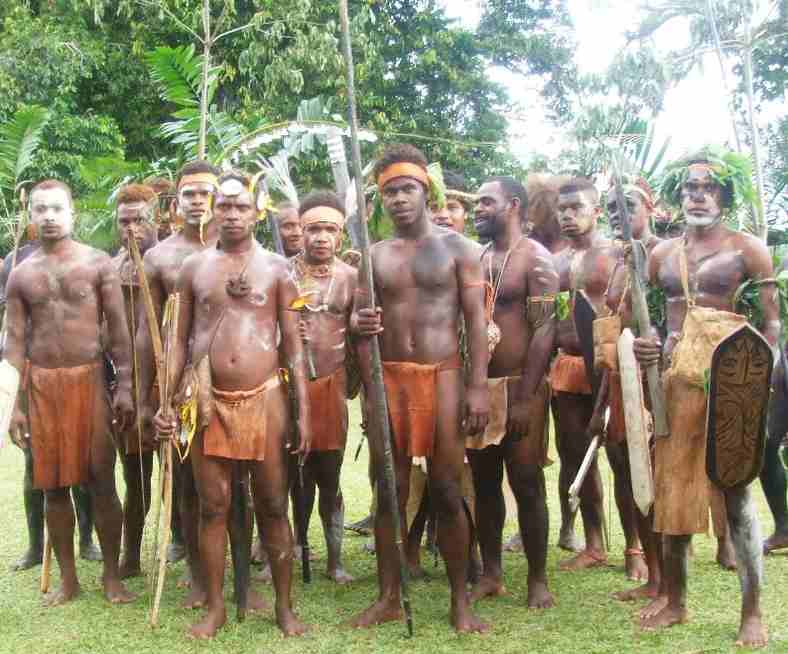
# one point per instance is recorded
(321, 198)
(135, 193)
(399, 153)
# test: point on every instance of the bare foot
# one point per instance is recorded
(289, 623)
(514, 544)
(256, 603)
(29, 559)
(653, 607)
(61, 595)
(667, 617)
(584, 560)
(465, 622)
(116, 592)
(363, 527)
(568, 540)
(777, 541)
(635, 565)
(752, 633)
(383, 610)
(339, 576)
(208, 626)
(538, 595)
(264, 575)
(195, 599)
(186, 579)
(90, 552)
(726, 558)
(129, 569)
(646, 591)
(487, 587)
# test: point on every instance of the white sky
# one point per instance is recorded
(696, 110)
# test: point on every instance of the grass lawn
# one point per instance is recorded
(586, 619)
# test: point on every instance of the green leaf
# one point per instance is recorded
(19, 139)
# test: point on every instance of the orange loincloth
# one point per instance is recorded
(501, 400)
(240, 420)
(328, 411)
(568, 375)
(67, 409)
(411, 394)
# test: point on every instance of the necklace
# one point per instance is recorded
(307, 273)
(238, 286)
(493, 330)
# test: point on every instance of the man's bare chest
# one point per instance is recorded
(424, 272)
(716, 273)
(71, 286)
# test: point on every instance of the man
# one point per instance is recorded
(542, 216)
(524, 283)
(137, 442)
(57, 301)
(164, 211)
(195, 187)
(33, 498)
(454, 212)
(235, 301)
(426, 278)
(700, 273)
(586, 265)
(328, 286)
(290, 228)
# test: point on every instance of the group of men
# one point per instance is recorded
(476, 350)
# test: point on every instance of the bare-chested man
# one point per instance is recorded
(543, 224)
(195, 186)
(329, 287)
(715, 261)
(425, 279)
(235, 301)
(524, 283)
(64, 292)
(459, 203)
(136, 443)
(290, 229)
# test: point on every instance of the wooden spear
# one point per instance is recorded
(377, 390)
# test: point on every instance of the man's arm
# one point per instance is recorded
(16, 321)
(294, 353)
(759, 267)
(470, 282)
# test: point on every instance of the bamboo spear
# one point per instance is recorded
(378, 391)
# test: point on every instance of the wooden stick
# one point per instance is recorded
(46, 564)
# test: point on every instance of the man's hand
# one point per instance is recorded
(596, 426)
(18, 430)
(477, 409)
(647, 350)
(305, 439)
(367, 322)
(165, 424)
(123, 409)
(517, 419)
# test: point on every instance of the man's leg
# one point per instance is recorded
(137, 472)
(189, 508)
(270, 482)
(526, 478)
(634, 561)
(176, 550)
(108, 515)
(34, 515)
(674, 571)
(567, 538)
(445, 479)
(302, 498)
(773, 478)
(487, 467)
(60, 522)
(212, 477)
(83, 506)
(326, 468)
(746, 536)
(573, 413)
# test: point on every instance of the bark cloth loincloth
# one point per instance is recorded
(568, 375)
(501, 398)
(239, 425)
(411, 393)
(328, 411)
(67, 409)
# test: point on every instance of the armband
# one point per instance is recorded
(539, 310)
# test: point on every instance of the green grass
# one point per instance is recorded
(586, 619)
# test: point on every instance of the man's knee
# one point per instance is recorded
(214, 506)
(527, 482)
(273, 507)
(446, 494)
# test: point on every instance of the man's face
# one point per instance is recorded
(451, 216)
(290, 231)
(52, 214)
(638, 215)
(701, 197)
(194, 202)
(405, 200)
(491, 211)
(236, 215)
(133, 218)
(321, 241)
(577, 213)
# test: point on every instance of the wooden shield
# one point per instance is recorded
(584, 316)
(739, 385)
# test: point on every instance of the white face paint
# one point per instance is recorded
(52, 214)
(700, 221)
